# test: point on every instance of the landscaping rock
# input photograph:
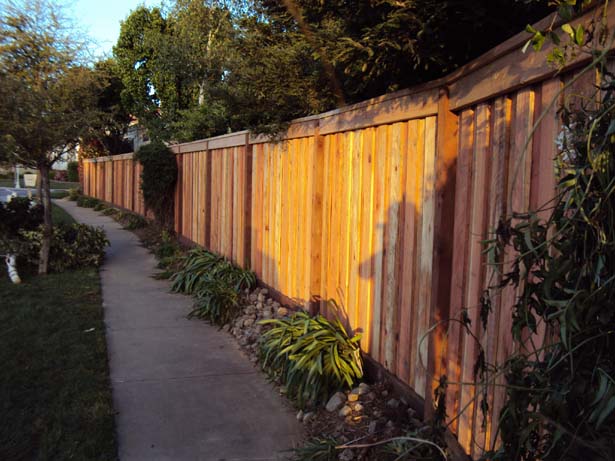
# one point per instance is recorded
(346, 455)
(282, 312)
(345, 411)
(308, 416)
(353, 397)
(358, 408)
(300, 415)
(373, 425)
(336, 401)
(393, 403)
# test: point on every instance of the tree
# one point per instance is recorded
(173, 67)
(106, 137)
(48, 95)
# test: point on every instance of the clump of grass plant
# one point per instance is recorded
(216, 283)
(311, 356)
(87, 202)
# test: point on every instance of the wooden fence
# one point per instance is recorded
(382, 207)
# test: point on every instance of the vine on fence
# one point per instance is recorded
(158, 180)
(560, 263)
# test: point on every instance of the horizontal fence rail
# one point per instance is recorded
(375, 213)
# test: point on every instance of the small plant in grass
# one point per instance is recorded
(311, 356)
(217, 302)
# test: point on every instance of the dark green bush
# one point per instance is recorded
(110, 211)
(16, 216)
(197, 264)
(72, 170)
(74, 194)
(72, 247)
(87, 202)
(158, 180)
(100, 207)
(217, 302)
(132, 221)
(311, 356)
(217, 284)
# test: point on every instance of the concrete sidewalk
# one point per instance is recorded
(181, 388)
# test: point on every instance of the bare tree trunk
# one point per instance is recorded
(43, 261)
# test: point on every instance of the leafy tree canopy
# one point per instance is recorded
(200, 68)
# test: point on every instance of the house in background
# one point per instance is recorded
(136, 134)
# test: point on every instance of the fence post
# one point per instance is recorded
(446, 167)
(178, 211)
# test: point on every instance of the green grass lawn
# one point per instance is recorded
(59, 216)
(55, 396)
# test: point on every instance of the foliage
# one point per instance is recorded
(311, 356)
(48, 92)
(56, 396)
(158, 180)
(200, 266)
(559, 262)
(17, 215)
(560, 394)
(87, 202)
(72, 171)
(58, 194)
(100, 207)
(317, 449)
(216, 301)
(72, 247)
(133, 221)
(172, 66)
(110, 211)
(217, 284)
(195, 267)
(74, 194)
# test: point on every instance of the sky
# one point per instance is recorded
(100, 19)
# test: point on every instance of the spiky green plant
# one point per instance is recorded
(197, 265)
(216, 302)
(316, 449)
(311, 356)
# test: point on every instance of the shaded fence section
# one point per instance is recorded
(381, 207)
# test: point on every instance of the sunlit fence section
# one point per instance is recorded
(382, 207)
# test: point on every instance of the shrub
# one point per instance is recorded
(217, 302)
(110, 211)
(217, 284)
(194, 269)
(100, 207)
(72, 171)
(74, 194)
(311, 356)
(72, 247)
(132, 221)
(87, 202)
(16, 216)
(58, 194)
(158, 180)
